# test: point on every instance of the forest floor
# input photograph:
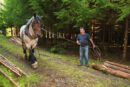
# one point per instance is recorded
(59, 70)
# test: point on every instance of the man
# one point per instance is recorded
(83, 40)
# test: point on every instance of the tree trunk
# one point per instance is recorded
(125, 39)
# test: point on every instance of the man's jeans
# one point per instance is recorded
(83, 54)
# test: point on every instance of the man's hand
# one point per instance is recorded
(94, 46)
(78, 42)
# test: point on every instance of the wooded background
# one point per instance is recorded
(108, 21)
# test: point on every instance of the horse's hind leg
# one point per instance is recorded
(25, 53)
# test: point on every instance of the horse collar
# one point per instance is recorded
(28, 34)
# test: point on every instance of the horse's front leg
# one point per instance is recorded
(32, 58)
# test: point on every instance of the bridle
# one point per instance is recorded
(33, 22)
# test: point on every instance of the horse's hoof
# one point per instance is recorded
(35, 65)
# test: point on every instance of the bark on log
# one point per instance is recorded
(118, 73)
(112, 71)
(99, 67)
(117, 68)
(119, 65)
(11, 66)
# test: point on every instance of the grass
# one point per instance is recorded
(59, 65)
(77, 75)
(5, 82)
(71, 59)
(22, 81)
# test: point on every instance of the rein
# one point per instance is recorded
(96, 50)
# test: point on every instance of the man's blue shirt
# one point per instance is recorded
(83, 39)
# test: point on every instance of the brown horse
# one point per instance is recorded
(29, 34)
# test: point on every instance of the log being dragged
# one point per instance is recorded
(116, 67)
(111, 71)
(117, 64)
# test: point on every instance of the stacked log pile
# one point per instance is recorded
(114, 69)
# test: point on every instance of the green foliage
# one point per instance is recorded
(14, 12)
(125, 12)
(35, 6)
(27, 81)
(5, 82)
(74, 13)
(57, 49)
(63, 14)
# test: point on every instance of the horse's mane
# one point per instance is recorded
(30, 21)
(28, 24)
(33, 18)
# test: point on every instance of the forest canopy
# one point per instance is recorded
(68, 15)
(63, 14)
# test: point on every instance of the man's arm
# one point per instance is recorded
(92, 42)
(78, 42)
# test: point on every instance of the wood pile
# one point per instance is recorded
(9, 65)
(114, 69)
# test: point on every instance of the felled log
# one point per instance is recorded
(116, 67)
(11, 80)
(9, 67)
(99, 67)
(119, 65)
(21, 71)
(4, 61)
(112, 71)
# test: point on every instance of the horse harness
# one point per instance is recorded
(28, 34)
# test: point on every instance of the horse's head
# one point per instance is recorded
(37, 25)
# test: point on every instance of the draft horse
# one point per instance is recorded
(29, 35)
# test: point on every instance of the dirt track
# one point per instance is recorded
(55, 71)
